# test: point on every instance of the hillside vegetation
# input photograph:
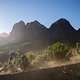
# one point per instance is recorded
(55, 55)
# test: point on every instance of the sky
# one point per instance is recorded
(45, 11)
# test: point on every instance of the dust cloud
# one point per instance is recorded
(55, 63)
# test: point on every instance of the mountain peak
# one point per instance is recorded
(17, 30)
(62, 21)
(33, 22)
(35, 32)
(36, 22)
(4, 34)
(21, 22)
(62, 30)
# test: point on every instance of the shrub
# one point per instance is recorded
(45, 55)
(1, 64)
(37, 60)
(78, 48)
(31, 55)
(58, 50)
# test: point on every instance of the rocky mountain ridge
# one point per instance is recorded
(37, 34)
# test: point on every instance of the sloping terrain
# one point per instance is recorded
(67, 72)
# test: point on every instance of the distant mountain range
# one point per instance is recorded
(36, 35)
(3, 34)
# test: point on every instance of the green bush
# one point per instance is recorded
(38, 57)
(58, 50)
(31, 55)
(1, 64)
(37, 60)
(45, 55)
(78, 48)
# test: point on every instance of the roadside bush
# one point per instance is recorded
(37, 60)
(1, 64)
(78, 48)
(58, 50)
(31, 55)
(45, 55)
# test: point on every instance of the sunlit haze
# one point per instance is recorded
(45, 11)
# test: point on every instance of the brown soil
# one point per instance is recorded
(66, 72)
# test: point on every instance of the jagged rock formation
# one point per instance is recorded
(33, 33)
(37, 35)
(17, 32)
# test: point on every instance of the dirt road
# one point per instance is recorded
(68, 72)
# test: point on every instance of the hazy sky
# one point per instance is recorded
(45, 11)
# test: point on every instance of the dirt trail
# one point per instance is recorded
(66, 72)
